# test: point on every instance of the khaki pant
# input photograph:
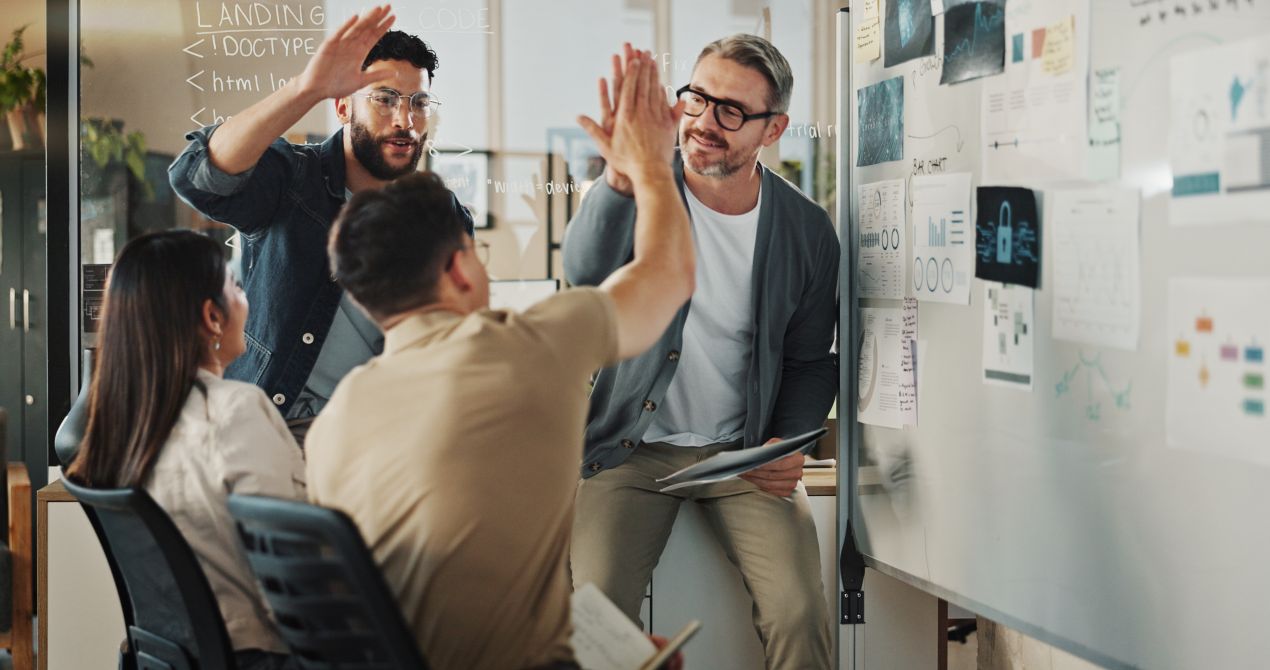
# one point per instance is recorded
(622, 522)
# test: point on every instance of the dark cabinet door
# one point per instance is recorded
(34, 326)
(22, 311)
(11, 281)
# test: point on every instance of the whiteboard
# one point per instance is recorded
(1063, 511)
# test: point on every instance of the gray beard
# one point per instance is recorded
(720, 170)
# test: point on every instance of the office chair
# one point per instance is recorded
(173, 620)
(331, 602)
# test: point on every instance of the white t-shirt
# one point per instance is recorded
(705, 402)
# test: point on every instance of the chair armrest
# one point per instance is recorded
(20, 545)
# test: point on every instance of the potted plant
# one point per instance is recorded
(104, 144)
(22, 92)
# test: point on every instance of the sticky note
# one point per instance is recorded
(1059, 53)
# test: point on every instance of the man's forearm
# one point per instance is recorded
(239, 142)
(806, 394)
(663, 235)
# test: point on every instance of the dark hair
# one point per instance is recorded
(396, 45)
(389, 246)
(148, 354)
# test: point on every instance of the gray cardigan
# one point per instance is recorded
(793, 376)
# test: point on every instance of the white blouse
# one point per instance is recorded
(228, 439)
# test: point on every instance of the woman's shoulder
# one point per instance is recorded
(230, 396)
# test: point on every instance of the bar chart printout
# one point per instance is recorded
(943, 238)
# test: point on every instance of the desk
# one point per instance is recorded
(81, 622)
(695, 580)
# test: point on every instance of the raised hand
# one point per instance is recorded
(608, 117)
(637, 133)
(335, 71)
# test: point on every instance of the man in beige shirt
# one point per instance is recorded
(456, 451)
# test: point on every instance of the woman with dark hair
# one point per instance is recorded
(161, 417)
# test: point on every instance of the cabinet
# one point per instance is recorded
(22, 310)
(695, 580)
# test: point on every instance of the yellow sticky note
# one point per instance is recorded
(1059, 53)
(868, 33)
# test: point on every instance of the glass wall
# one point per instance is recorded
(513, 76)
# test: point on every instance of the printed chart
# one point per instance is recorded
(1217, 396)
(881, 266)
(943, 239)
(1220, 135)
(1096, 292)
(1007, 335)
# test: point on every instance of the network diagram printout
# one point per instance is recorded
(1007, 335)
(943, 238)
(888, 366)
(1096, 266)
(1034, 121)
(1220, 134)
(1218, 331)
(881, 244)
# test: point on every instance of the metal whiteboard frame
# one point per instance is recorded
(851, 440)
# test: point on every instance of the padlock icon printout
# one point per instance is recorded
(1005, 234)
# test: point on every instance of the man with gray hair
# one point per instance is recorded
(747, 361)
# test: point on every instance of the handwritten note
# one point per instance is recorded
(1104, 124)
(603, 637)
(1058, 54)
(887, 367)
(868, 37)
(908, 364)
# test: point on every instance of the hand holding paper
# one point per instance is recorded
(779, 477)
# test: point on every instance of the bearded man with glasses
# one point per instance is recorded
(304, 334)
(746, 362)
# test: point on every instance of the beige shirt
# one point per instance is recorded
(228, 439)
(456, 453)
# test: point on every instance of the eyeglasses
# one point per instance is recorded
(387, 102)
(728, 115)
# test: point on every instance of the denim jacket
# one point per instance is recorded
(283, 207)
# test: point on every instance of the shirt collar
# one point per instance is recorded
(420, 329)
(332, 156)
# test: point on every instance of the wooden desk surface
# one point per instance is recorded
(819, 481)
(54, 492)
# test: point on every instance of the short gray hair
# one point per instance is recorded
(757, 54)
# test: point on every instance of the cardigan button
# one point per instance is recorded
(650, 406)
(307, 338)
(595, 467)
(278, 398)
(627, 444)
(673, 356)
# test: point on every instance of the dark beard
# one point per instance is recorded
(367, 150)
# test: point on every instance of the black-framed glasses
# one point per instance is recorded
(388, 101)
(728, 115)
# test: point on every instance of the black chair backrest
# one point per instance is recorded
(331, 602)
(175, 621)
